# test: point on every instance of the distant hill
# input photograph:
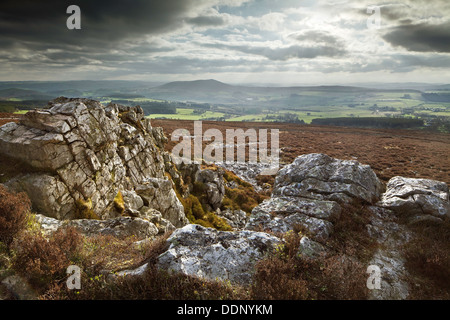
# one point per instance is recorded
(197, 85)
(216, 92)
(23, 94)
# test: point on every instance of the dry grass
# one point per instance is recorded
(286, 275)
(350, 234)
(14, 208)
(43, 261)
(428, 261)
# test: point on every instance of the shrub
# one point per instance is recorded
(286, 275)
(277, 279)
(44, 261)
(280, 276)
(428, 260)
(14, 209)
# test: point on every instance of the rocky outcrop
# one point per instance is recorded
(216, 255)
(417, 197)
(84, 154)
(308, 193)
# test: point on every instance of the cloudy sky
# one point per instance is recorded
(234, 41)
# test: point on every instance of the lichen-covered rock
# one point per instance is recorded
(48, 194)
(156, 218)
(319, 176)
(160, 195)
(391, 238)
(249, 171)
(216, 255)
(86, 154)
(309, 192)
(411, 196)
(311, 249)
(281, 214)
(235, 218)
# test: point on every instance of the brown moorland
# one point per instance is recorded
(408, 153)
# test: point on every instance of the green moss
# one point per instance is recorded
(83, 210)
(196, 214)
(119, 204)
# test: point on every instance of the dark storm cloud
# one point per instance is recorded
(297, 51)
(308, 45)
(204, 21)
(102, 21)
(421, 37)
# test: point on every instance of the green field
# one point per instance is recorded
(188, 114)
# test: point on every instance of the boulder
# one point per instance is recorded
(411, 196)
(311, 249)
(47, 193)
(249, 171)
(216, 255)
(155, 217)
(391, 238)
(281, 214)
(18, 288)
(131, 200)
(309, 192)
(319, 176)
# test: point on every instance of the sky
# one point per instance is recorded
(275, 42)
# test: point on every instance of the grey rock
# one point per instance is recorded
(214, 186)
(132, 200)
(19, 288)
(311, 249)
(235, 218)
(119, 227)
(155, 217)
(249, 171)
(411, 196)
(319, 176)
(216, 255)
(160, 195)
(391, 237)
(308, 192)
(47, 193)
